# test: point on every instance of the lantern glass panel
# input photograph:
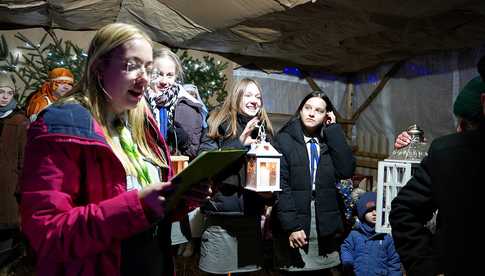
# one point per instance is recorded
(267, 173)
(251, 173)
(263, 168)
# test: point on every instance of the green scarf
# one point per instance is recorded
(131, 150)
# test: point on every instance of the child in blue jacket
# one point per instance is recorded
(366, 252)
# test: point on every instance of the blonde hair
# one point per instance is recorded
(230, 108)
(90, 93)
(167, 53)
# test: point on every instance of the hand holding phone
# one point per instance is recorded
(255, 131)
(246, 135)
(330, 118)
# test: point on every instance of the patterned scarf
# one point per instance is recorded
(167, 98)
(131, 150)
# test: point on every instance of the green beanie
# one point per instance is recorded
(467, 104)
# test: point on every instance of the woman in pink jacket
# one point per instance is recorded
(96, 169)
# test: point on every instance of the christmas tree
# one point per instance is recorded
(38, 59)
(207, 75)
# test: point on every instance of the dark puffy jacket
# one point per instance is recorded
(188, 118)
(370, 253)
(231, 198)
(293, 202)
(446, 180)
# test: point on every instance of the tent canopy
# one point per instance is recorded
(338, 36)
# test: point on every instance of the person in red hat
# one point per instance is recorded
(59, 83)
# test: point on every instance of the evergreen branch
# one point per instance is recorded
(33, 67)
(15, 60)
(43, 39)
(28, 48)
(3, 48)
(24, 39)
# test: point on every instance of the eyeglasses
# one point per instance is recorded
(137, 68)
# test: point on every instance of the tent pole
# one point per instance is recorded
(378, 89)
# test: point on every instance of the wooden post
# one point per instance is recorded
(378, 89)
(348, 107)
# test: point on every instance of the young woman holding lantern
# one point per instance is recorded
(231, 243)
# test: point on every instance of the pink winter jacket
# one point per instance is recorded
(75, 209)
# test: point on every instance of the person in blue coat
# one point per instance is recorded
(365, 252)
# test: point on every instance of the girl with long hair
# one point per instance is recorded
(180, 115)
(231, 242)
(307, 218)
(95, 179)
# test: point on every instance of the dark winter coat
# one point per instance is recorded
(188, 117)
(231, 198)
(446, 181)
(370, 253)
(292, 207)
(13, 136)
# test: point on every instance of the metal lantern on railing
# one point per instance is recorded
(263, 166)
(394, 172)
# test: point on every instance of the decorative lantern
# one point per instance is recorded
(394, 172)
(263, 166)
(416, 150)
(179, 162)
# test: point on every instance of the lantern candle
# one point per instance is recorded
(263, 168)
(264, 174)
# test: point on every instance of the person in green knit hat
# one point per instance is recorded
(446, 181)
(439, 184)
(468, 107)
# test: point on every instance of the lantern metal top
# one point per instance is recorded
(263, 149)
(415, 151)
(416, 133)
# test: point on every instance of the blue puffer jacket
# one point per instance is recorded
(370, 253)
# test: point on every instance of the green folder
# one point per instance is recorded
(206, 165)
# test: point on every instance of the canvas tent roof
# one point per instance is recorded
(335, 35)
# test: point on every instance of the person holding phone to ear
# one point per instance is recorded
(330, 118)
(231, 243)
(307, 221)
